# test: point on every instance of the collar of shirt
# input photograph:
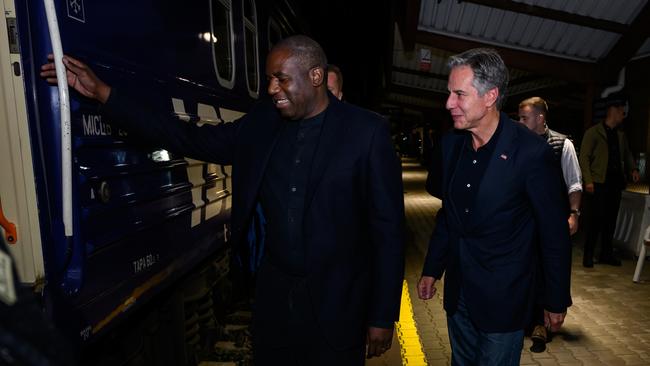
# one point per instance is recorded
(491, 144)
(315, 120)
(609, 129)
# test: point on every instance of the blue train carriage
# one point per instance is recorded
(143, 218)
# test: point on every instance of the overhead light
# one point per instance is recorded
(208, 37)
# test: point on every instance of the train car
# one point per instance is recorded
(122, 224)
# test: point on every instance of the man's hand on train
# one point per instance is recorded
(379, 341)
(80, 77)
(426, 288)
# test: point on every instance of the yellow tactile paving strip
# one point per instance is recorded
(407, 333)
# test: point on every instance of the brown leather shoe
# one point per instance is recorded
(538, 337)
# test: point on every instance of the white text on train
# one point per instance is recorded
(145, 262)
(93, 126)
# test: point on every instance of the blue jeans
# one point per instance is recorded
(472, 346)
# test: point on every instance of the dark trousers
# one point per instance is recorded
(537, 317)
(471, 346)
(285, 328)
(604, 203)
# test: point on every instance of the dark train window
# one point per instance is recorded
(250, 40)
(221, 39)
(275, 34)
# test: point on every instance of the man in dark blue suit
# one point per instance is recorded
(502, 196)
(329, 185)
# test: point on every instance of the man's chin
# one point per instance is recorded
(285, 113)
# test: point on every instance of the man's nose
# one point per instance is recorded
(451, 102)
(273, 86)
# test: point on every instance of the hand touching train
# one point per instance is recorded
(79, 76)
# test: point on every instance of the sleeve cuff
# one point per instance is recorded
(381, 324)
(576, 187)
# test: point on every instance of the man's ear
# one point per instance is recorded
(491, 97)
(317, 76)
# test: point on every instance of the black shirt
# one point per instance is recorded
(614, 175)
(469, 173)
(283, 192)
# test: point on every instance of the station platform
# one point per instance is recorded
(608, 324)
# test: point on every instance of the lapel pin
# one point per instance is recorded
(504, 156)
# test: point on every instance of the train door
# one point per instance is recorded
(17, 182)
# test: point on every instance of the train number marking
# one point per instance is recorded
(145, 262)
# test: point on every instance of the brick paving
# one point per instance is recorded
(608, 324)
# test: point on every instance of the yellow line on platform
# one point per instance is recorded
(407, 333)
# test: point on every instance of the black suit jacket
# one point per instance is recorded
(354, 210)
(521, 204)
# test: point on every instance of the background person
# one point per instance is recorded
(532, 113)
(335, 81)
(605, 157)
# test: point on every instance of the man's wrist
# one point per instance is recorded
(575, 212)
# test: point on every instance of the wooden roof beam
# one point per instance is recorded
(425, 74)
(416, 92)
(627, 45)
(405, 105)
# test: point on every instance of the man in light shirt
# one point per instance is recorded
(532, 113)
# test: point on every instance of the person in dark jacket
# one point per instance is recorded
(329, 184)
(605, 160)
(503, 202)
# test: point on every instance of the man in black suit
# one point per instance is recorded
(329, 185)
(502, 197)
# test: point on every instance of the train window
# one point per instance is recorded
(222, 41)
(250, 40)
(275, 34)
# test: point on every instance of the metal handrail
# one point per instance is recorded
(64, 102)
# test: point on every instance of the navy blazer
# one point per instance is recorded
(354, 208)
(520, 213)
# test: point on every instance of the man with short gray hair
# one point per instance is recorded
(499, 185)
